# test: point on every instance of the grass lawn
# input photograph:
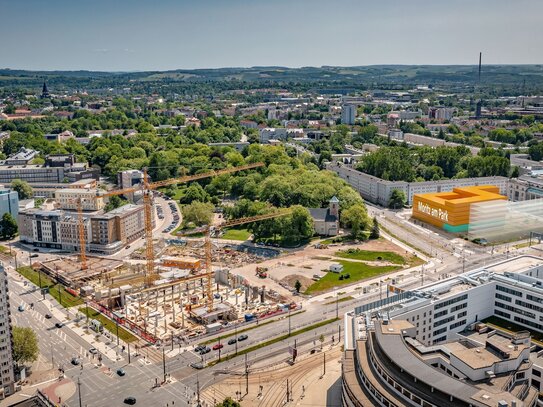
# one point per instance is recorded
(108, 324)
(358, 271)
(236, 234)
(4, 250)
(367, 255)
(62, 296)
(511, 327)
(342, 299)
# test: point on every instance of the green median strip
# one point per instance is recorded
(240, 331)
(108, 324)
(388, 232)
(275, 340)
(57, 291)
(347, 298)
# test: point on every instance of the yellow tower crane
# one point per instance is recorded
(147, 187)
(207, 230)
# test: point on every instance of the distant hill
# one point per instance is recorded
(325, 76)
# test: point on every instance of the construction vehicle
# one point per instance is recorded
(261, 272)
(146, 188)
(211, 230)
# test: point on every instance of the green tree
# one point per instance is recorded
(23, 188)
(375, 231)
(25, 345)
(397, 199)
(298, 226)
(355, 218)
(198, 213)
(8, 226)
(114, 203)
(536, 151)
(297, 286)
(228, 402)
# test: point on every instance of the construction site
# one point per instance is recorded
(172, 288)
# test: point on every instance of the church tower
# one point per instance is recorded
(44, 91)
(334, 207)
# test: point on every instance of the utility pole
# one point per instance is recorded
(164, 364)
(198, 390)
(246, 376)
(117, 329)
(324, 363)
(59, 292)
(79, 391)
(288, 394)
(128, 343)
(289, 321)
(337, 306)
(339, 332)
(236, 334)
(219, 348)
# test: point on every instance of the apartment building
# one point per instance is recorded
(69, 199)
(348, 114)
(444, 318)
(106, 233)
(378, 191)
(7, 375)
(526, 187)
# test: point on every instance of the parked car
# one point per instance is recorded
(242, 337)
(232, 341)
(218, 346)
(93, 351)
(130, 400)
(75, 361)
(59, 324)
(197, 365)
(21, 308)
(121, 372)
(198, 348)
(48, 316)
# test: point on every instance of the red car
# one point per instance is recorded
(218, 346)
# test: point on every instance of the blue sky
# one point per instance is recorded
(132, 35)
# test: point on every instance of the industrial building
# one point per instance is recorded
(451, 210)
(430, 347)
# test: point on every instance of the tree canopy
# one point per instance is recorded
(25, 345)
(23, 188)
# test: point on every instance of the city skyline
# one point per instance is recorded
(136, 36)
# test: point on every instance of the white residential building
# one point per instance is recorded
(7, 376)
(348, 114)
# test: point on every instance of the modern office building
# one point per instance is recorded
(451, 210)
(348, 114)
(58, 168)
(7, 375)
(9, 202)
(440, 113)
(378, 190)
(526, 187)
(431, 347)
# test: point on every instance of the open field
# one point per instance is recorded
(357, 254)
(57, 291)
(236, 234)
(357, 271)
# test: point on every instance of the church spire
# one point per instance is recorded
(45, 91)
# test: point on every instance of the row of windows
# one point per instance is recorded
(440, 331)
(502, 314)
(441, 313)
(528, 305)
(503, 297)
(509, 290)
(457, 324)
(462, 314)
(459, 306)
(534, 299)
(451, 301)
(530, 323)
(514, 309)
(444, 321)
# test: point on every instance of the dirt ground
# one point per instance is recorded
(291, 280)
(304, 264)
